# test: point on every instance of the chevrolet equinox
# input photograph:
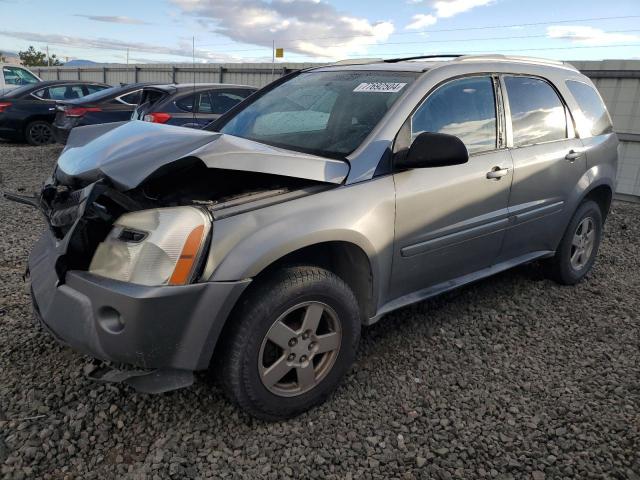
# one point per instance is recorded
(258, 247)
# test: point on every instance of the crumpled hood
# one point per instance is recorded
(129, 152)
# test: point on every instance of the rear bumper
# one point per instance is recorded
(164, 328)
(11, 133)
(61, 134)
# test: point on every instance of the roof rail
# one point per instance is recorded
(357, 61)
(515, 58)
(421, 57)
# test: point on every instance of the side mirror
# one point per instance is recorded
(434, 150)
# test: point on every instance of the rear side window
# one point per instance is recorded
(595, 117)
(537, 113)
(203, 100)
(223, 101)
(185, 103)
(204, 103)
(64, 92)
(464, 108)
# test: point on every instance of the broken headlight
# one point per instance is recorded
(161, 246)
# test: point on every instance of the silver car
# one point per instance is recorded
(259, 247)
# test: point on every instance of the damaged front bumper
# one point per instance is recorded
(167, 331)
(159, 335)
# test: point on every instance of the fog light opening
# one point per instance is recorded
(110, 320)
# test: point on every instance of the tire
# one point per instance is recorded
(293, 297)
(560, 267)
(39, 133)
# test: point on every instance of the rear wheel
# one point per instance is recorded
(578, 248)
(293, 338)
(39, 133)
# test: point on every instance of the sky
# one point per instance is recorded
(319, 30)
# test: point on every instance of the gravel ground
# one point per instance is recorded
(513, 377)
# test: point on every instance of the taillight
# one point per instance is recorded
(80, 111)
(4, 106)
(157, 117)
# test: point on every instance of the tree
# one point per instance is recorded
(3, 59)
(34, 58)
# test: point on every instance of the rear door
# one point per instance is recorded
(450, 221)
(548, 161)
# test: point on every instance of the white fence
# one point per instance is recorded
(254, 74)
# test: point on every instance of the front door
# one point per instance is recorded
(548, 163)
(450, 221)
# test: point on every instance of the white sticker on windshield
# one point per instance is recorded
(379, 87)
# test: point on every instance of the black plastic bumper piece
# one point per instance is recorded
(146, 381)
(166, 328)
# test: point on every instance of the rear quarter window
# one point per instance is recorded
(595, 119)
(132, 98)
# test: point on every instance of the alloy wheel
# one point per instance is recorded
(299, 349)
(582, 243)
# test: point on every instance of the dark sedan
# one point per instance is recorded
(111, 105)
(27, 113)
(189, 105)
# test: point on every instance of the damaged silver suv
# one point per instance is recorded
(259, 248)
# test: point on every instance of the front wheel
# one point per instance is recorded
(579, 245)
(293, 338)
(39, 133)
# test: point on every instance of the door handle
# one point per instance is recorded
(573, 155)
(497, 173)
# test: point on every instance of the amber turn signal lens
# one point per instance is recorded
(188, 257)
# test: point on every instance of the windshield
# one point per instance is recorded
(327, 113)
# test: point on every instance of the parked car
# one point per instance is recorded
(14, 76)
(114, 104)
(189, 105)
(335, 195)
(27, 113)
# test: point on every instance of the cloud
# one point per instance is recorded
(183, 50)
(449, 8)
(310, 27)
(443, 9)
(113, 19)
(421, 21)
(589, 35)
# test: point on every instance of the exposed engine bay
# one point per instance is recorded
(83, 215)
(110, 170)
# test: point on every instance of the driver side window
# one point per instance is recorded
(465, 108)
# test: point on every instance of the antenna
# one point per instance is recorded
(193, 65)
(273, 59)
